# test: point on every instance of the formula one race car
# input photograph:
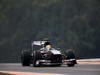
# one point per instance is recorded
(43, 53)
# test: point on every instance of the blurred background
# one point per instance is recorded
(70, 24)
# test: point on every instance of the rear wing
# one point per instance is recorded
(39, 43)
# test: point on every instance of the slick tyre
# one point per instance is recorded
(25, 58)
(69, 54)
(37, 57)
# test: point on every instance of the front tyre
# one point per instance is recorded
(36, 57)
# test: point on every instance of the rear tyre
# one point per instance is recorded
(58, 65)
(25, 58)
(69, 54)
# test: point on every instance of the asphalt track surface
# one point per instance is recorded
(79, 69)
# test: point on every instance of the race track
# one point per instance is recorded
(79, 69)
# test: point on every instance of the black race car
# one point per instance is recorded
(40, 55)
